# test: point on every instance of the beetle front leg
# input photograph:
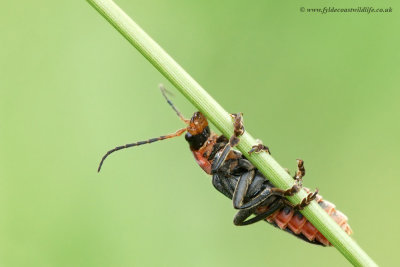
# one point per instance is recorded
(238, 130)
(221, 159)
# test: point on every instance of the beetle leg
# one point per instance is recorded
(242, 215)
(241, 189)
(306, 201)
(259, 148)
(221, 185)
(286, 193)
(301, 171)
(262, 196)
(233, 141)
(245, 164)
(221, 159)
(238, 129)
(266, 193)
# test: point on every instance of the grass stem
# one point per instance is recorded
(221, 119)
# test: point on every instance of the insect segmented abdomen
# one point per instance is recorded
(294, 222)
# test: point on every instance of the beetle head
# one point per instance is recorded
(197, 131)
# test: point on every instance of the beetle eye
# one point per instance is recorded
(188, 136)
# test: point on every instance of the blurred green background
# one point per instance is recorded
(323, 88)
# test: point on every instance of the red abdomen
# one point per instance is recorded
(294, 222)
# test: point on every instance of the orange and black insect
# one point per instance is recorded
(252, 193)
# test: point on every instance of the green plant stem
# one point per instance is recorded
(221, 119)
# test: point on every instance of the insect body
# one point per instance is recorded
(251, 192)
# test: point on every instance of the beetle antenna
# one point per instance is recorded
(164, 92)
(177, 133)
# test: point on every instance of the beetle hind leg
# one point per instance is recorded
(242, 215)
(306, 201)
(301, 171)
(288, 192)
